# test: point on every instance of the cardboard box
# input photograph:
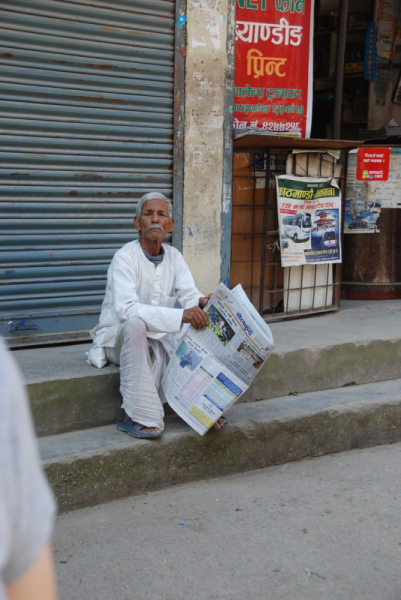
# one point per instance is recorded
(346, 116)
(356, 21)
(356, 67)
(360, 108)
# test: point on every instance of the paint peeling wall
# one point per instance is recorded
(206, 79)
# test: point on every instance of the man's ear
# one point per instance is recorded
(171, 226)
(136, 224)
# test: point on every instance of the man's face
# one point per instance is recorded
(154, 223)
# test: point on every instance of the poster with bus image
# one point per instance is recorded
(309, 211)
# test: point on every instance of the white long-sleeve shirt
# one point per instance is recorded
(136, 288)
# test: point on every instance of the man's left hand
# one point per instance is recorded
(204, 300)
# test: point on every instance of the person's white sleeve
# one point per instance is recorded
(27, 506)
(188, 294)
(158, 319)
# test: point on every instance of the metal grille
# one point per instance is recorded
(278, 292)
(87, 128)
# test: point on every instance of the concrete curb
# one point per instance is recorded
(310, 369)
(64, 405)
(259, 435)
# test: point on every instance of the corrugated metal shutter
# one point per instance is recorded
(86, 115)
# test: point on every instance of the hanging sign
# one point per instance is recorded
(373, 164)
(309, 220)
(274, 65)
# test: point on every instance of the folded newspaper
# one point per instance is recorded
(212, 368)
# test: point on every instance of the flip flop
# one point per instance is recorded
(135, 430)
(221, 426)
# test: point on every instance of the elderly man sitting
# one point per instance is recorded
(139, 326)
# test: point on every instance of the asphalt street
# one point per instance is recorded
(327, 528)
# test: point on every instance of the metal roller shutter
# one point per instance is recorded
(86, 114)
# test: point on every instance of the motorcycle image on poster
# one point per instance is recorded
(309, 212)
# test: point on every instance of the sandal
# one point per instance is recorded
(135, 430)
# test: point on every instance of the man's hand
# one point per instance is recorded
(204, 300)
(196, 317)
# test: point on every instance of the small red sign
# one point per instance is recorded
(373, 164)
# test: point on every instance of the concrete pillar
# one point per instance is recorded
(207, 136)
(379, 104)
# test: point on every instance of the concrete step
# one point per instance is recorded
(101, 464)
(361, 343)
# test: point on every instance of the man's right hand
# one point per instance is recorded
(196, 317)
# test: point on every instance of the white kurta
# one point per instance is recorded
(137, 289)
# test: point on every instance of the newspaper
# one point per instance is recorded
(212, 368)
(309, 220)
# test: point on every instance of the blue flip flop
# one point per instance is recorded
(135, 430)
(221, 426)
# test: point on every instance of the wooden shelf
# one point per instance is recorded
(346, 76)
(349, 30)
(250, 143)
(358, 122)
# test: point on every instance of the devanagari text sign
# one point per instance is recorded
(274, 65)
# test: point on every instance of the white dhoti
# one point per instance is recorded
(142, 364)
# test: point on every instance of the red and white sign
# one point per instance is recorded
(373, 164)
(274, 65)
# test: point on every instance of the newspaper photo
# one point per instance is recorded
(210, 369)
(309, 210)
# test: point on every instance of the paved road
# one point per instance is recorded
(327, 528)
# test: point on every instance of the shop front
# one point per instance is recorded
(103, 102)
(338, 98)
(288, 253)
(87, 116)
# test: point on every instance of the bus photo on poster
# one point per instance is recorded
(309, 220)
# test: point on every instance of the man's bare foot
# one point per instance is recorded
(144, 429)
(219, 423)
(149, 429)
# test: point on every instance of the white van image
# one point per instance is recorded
(298, 227)
(329, 239)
